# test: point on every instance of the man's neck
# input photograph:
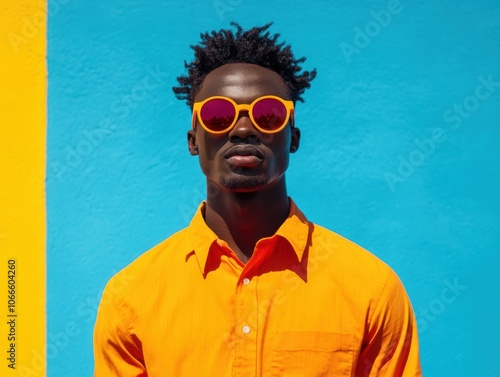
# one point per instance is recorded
(242, 219)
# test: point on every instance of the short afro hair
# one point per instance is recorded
(254, 46)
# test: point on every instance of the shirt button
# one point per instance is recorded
(246, 281)
(245, 329)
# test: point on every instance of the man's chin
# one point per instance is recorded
(243, 183)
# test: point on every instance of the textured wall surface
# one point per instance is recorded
(399, 151)
(23, 97)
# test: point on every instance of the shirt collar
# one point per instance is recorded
(201, 240)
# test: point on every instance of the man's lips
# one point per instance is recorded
(244, 156)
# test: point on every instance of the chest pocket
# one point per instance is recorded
(312, 354)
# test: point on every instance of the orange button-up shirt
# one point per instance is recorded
(307, 303)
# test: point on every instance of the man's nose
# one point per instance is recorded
(244, 128)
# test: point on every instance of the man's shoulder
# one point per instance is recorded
(169, 248)
(354, 270)
(154, 262)
(346, 257)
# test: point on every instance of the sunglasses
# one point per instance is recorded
(217, 115)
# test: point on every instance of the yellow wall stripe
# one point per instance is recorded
(22, 188)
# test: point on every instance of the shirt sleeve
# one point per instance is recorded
(117, 351)
(390, 347)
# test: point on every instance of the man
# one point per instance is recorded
(250, 287)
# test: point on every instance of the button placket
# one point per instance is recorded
(246, 345)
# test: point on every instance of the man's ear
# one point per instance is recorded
(295, 142)
(192, 145)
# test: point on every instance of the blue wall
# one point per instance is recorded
(400, 131)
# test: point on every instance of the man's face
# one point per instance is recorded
(243, 159)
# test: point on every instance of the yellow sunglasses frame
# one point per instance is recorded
(243, 107)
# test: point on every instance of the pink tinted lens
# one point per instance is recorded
(269, 114)
(217, 114)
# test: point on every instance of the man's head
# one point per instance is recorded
(243, 67)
